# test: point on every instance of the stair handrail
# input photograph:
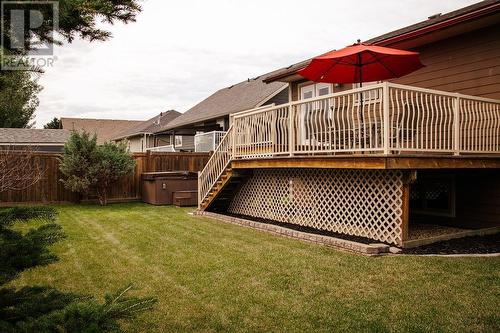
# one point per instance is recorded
(215, 166)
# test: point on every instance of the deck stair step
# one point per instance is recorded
(223, 190)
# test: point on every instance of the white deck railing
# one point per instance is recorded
(205, 142)
(386, 118)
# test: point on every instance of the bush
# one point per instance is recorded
(79, 161)
(114, 162)
(88, 166)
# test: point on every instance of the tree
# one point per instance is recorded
(53, 124)
(88, 166)
(46, 309)
(76, 19)
(114, 162)
(18, 98)
(79, 161)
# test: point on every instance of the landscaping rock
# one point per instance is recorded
(395, 250)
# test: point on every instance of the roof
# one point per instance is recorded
(239, 97)
(105, 129)
(434, 22)
(149, 126)
(33, 136)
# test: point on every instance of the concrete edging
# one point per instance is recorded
(338, 243)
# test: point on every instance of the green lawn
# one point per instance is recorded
(210, 276)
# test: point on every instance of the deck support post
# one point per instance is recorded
(291, 134)
(456, 126)
(385, 93)
(409, 177)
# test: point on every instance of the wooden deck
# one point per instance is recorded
(372, 162)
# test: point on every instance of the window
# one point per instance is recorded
(315, 90)
(313, 112)
(178, 140)
(370, 96)
(434, 196)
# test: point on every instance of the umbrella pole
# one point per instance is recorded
(360, 113)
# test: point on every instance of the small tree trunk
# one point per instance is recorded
(105, 196)
(100, 196)
(102, 193)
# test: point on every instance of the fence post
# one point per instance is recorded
(456, 126)
(386, 124)
(291, 134)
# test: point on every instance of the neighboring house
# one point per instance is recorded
(422, 149)
(105, 129)
(43, 140)
(212, 114)
(141, 137)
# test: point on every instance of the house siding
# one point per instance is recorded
(187, 143)
(468, 64)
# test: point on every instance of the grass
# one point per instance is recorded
(210, 276)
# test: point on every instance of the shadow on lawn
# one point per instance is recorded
(46, 309)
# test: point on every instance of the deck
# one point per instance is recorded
(345, 162)
(402, 162)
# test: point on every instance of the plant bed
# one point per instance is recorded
(466, 245)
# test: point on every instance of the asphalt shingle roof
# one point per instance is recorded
(239, 97)
(151, 125)
(33, 136)
(105, 129)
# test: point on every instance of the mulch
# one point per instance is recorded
(466, 245)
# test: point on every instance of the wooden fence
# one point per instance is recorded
(50, 190)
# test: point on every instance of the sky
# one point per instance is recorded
(178, 53)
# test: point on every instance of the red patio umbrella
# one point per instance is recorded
(360, 63)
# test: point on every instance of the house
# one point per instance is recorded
(42, 140)
(104, 129)
(405, 162)
(209, 119)
(141, 137)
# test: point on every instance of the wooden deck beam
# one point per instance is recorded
(372, 162)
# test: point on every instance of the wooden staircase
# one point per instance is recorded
(219, 197)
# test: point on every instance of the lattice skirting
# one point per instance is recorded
(365, 203)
